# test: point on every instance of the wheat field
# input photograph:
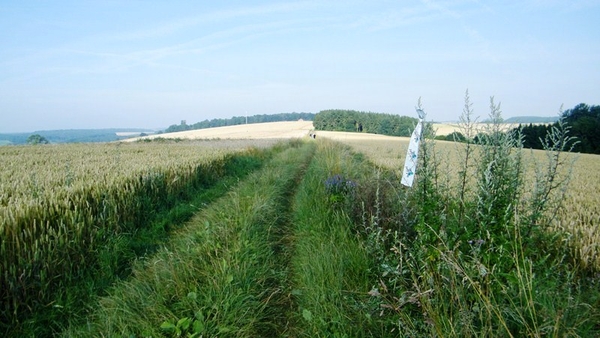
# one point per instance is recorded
(47, 178)
(580, 215)
(57, 201)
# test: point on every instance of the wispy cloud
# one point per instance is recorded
(559, 4)
(155, 45)
(402, 17)
(459, 11)
(179, 24)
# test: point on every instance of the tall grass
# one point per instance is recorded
(331, 268)
(476, 257)
(220, 274)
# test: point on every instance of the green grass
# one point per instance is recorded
(331, 268)
(219, 274)
(113, 259)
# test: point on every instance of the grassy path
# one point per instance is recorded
(225, 273)
(273, 258)
(330, 264)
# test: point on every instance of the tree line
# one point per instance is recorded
(367, 122)
(237, 120)
(584, 123)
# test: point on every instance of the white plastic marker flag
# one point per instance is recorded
(412, 155)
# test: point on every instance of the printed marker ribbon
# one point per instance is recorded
(412, 155)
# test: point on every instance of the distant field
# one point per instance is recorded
(285, 130)
(270, 130)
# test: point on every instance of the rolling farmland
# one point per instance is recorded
(293, 249)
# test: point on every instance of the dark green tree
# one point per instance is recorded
(584, 122)
(456, 136)
(37, 139)
(357, 121)
(534, 134)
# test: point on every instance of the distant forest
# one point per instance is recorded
(236, 120)
(367, 122)
(584, 124)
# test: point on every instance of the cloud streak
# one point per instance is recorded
(218, 16)
(211, 59)
(459, 15)
(145, 47)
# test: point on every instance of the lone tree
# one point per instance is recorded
(37, 139)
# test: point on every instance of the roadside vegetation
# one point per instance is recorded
(470, 250)
(473, 249)
(318, 240)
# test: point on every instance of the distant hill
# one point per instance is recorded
(531, 119)
(237, 120)
(75, 135)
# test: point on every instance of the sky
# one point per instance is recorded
(90, 64)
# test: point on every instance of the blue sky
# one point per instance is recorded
(150, 64)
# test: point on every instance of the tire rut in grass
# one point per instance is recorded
(225, 271)
(281, 300)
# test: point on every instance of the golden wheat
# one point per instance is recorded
(55, 200)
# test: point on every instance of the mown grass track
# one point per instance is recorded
(273, 258)
(331, 266)
(225, 273)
